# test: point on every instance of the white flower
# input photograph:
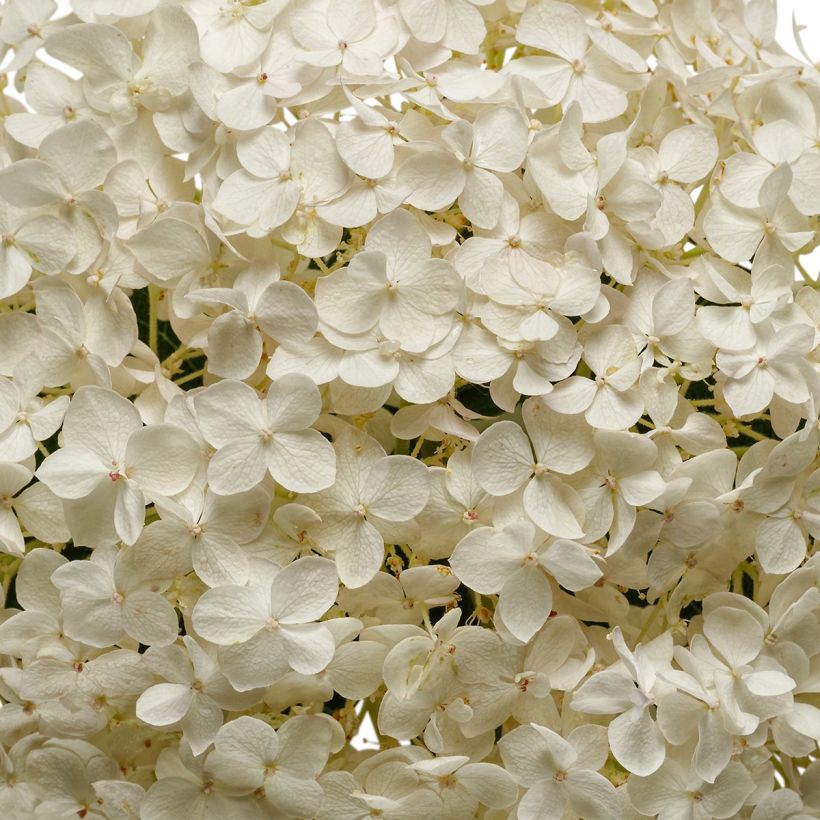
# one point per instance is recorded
(579, 71)
(610, 401)
(44, 242)
(774, 230)
(278, 174)
(13, 477)
(456, 24)
(355, 34)
(374, 494)
(777, 142)
(558, 773)
(111, 460)
(392, 789)
(674, 790)
(252, 103)
(684, 156)
(503, 461)
(122, 83)
(759, 295)
(394, 284)
(463, 786)
(194, 695)
(259, 300)
(397, 366)
(496, 142)
(402, 599)
(622, 480)
(512, 562)
(80, 342)
(627, 690)
(366, 142)
(266, 628)
(205, 535)
(282, 766)
(253, 436)
(60, 776)
(34, 420)
(233, 33)
(774, 365)
(105, 598)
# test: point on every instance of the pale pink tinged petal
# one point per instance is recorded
(148, 618)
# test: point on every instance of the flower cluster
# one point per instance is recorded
(442, 368)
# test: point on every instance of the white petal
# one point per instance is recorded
(302, 461)
(162, 459)
(304, 590)
(780, 545)
(149, 618)
(396, 488)
(170, 249)
(687, 154)
(484, 559)
(636, 742)
(525, 602)
(502, 458)
(229, 410)
(554, 506)
(228, 615)
(309, 647)
(736, 634)
(234, 346)
(164, 703)
(286, 313)
(570, 565)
